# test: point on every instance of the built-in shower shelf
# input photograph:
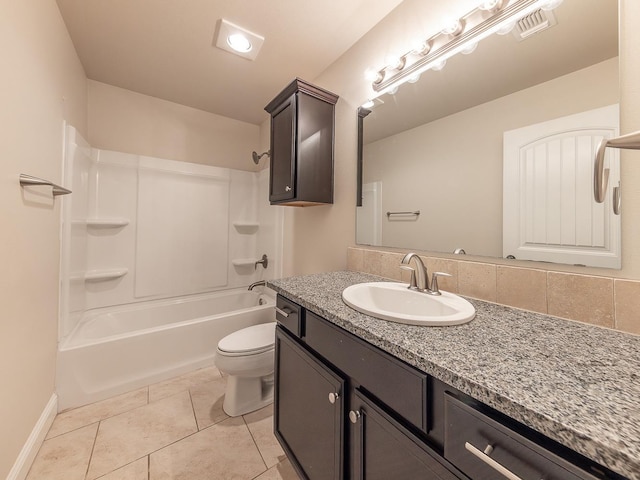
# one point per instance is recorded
(244, 262)
(103, 222)
(107, 222)
(106, 274)
(246, 228)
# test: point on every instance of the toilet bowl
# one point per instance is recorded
(247, 357)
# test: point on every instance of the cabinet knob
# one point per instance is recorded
(287, 188)
(333, 397)
(354, 415)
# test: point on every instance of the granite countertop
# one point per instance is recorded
(576, 383)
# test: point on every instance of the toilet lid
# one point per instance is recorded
(255, 339)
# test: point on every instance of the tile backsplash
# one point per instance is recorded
(604, 301)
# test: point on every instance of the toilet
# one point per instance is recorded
(247, 356)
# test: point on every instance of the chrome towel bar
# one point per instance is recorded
(416, 213)
(27, 180)
(630, 141)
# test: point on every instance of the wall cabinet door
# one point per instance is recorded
(283, 151)
(309, 411)
(382, 449)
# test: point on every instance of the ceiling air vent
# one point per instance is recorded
(533, 23)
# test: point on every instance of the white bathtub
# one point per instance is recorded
(117, 349)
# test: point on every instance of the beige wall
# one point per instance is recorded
(472, 165)
(42, 84)
(130, 122)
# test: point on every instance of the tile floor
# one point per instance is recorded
(169, 430)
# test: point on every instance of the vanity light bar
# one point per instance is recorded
(475, 26)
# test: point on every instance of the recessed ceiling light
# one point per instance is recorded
(238, 40)
(239, 43)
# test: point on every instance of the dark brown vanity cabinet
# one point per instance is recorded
(345, 409)
(302, 134)
(328, 424)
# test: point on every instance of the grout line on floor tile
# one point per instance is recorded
(179, 440)
(125, 465)
(193, 410)
(255, 443)
(73, 430)
(95, 439)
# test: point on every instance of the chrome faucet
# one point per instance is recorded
(419, 276)
(257, 284)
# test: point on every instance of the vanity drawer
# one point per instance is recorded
(399, 386)
(289, 315)
(480, 446)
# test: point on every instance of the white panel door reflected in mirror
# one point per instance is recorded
(549, 210)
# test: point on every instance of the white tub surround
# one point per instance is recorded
(139, 229)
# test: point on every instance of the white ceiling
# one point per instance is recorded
(164, 48)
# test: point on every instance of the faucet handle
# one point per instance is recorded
(434, 290)
(412, 281)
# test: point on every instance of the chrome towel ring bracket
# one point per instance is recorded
(630, 141)
(28, 180)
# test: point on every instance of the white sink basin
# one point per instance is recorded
(395, 302)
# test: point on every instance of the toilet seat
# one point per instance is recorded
(249, 341)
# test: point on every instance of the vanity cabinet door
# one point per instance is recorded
(308, 411)
(382, 449)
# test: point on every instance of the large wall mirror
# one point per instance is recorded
(440, 147)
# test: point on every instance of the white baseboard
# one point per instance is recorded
(32, 445)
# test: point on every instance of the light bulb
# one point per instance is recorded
(421, 47)
(506, 28)
(439, 66)
(550, 5)
(373, 76)
(239, 43)
(454, 27)
(368, 104)
(469, 48)
(394, 62)
(489, 5)
(413, 78)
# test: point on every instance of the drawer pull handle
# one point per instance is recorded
(333, 397)
(354, 415)
(484, 456)
(284, 313)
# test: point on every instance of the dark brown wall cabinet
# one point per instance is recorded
(302, 133)
(344, 409)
